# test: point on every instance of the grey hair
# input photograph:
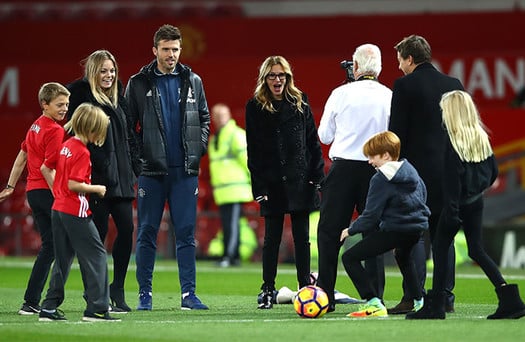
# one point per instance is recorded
(368, 58)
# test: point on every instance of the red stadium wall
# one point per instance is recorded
(483, 50)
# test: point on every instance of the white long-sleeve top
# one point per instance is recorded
(353, 113)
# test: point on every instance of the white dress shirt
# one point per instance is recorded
(353, 113)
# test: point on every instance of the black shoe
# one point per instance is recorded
(510, 305)
(449, 302)
(29, 309)
(266, 297)
(274, 297)
(331, 307)
(98, 317)
(404, 307)
(433, 307)
(57, 315)
(116, 310)
(118, 303)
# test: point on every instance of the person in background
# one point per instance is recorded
(74, 233)
(396, 203)
(416, 119)
(353, 112)
(39, 151)
(111, 164)
(169, 116)
(230, 178)
(286, 167)
(469, 169)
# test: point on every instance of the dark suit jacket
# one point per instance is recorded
(416, 118)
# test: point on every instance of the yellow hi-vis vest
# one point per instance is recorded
(229, 174)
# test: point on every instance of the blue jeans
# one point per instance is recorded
(181, 192)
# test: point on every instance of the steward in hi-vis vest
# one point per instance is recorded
(230, 178)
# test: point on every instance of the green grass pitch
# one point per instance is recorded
(233, 316)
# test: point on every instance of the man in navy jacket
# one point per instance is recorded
(169, 116)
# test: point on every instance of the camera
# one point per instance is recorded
(348, 66)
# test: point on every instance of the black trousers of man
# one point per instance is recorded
(344, 189)
(420, 251)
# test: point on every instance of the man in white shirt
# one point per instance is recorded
(353, 113)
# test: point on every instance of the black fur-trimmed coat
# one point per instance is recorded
(284, 157)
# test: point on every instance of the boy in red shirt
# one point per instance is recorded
(73, 228)
(39, 151)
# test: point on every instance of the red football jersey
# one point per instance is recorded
(73, 164)
(42, 142)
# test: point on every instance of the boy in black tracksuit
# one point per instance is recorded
(396, 201)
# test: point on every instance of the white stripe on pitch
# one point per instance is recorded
(174, 268)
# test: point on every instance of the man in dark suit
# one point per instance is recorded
(416, 118)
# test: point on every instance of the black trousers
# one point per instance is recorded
(375, 244)
(40, 201)
(344, 189)
(121, 210)
(421, 250)
(471, 217)
(230, 216)
(272, 241)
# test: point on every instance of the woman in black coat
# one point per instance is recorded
(286, 166)
(111, 164)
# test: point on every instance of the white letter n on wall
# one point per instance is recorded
(9, 87)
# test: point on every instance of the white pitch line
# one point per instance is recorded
(174, 268)
(202, 320)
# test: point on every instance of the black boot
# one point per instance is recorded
(266, 297)
(117, 299)
(510, 304)
(433, 307)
